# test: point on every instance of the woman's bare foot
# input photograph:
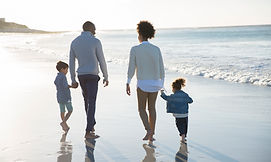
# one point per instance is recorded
(151, 138)
(147, 136)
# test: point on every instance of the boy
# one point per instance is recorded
(63, 94)
(177, 104)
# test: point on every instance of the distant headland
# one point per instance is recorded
(11, 27)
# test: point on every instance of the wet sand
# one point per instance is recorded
(227, 121)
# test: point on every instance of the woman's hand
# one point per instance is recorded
(128, 91)
(105, 82)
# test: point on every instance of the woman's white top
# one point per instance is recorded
(146, 60)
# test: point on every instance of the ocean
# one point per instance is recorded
(228, 71)
(236, 54)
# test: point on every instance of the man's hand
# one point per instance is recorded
(74, 85)
(128, 91)
(105, 82)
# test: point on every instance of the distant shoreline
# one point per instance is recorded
(11, 27)
(24, 31)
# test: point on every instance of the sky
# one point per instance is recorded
(69, 15)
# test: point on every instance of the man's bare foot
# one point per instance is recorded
(91, 135)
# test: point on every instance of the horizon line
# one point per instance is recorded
(170, 28)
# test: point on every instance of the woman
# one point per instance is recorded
(146, 60)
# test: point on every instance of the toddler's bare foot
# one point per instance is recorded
(183, 140)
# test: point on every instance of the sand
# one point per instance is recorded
(227, 121)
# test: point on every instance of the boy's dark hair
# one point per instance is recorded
(61, 65)
(178, 84)
(145, 29)
(87, 26)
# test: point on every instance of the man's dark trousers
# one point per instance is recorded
(89, 85)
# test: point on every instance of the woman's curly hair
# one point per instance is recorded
(178, 84)
(145, 29)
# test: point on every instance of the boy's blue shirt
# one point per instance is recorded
(63, 91)
(177, 102)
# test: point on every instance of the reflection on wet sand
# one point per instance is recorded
(182, 154)
(65, 152)
(150, 153)
(90, 145)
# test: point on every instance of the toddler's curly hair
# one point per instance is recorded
(178, 84)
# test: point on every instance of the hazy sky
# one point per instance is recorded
(125, 14)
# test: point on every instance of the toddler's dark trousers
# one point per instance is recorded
(182, 125)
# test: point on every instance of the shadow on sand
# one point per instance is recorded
(182, 154)
(150, 153)
(65, 152)
(212, 153)
(90, 146)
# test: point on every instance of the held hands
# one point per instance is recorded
(128, 91)
(74, 85)
(162, 90)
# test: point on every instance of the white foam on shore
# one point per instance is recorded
(227, 73)
(260, 75)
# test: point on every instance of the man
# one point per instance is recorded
(89, 53)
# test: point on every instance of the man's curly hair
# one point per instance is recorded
(145, 29)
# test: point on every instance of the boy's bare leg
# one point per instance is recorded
(63, 125)
(62, 115)
(67, 116)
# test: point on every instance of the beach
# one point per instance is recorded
(228, 121)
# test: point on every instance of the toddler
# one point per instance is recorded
(177, 104)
